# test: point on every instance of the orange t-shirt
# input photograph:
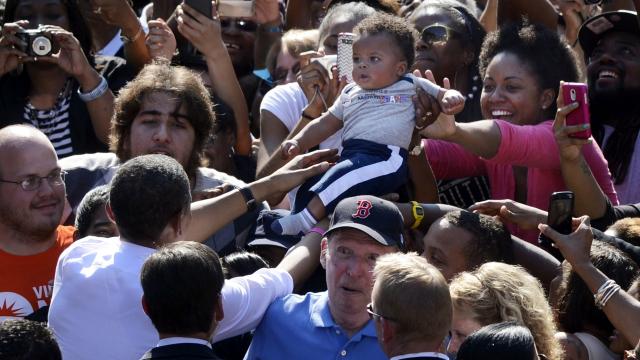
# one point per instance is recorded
(26, 282)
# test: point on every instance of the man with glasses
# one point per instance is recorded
(410, 306)
(32, 197)
(335, 324)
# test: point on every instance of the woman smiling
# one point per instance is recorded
(521, 67)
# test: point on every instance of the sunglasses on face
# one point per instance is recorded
(240, 24)
(437, 34)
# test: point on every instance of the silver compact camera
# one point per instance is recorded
(38, 42)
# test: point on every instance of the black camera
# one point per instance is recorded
(38, 42)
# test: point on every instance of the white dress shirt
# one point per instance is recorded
(96, 310)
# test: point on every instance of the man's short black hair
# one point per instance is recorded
(25, 340)
(401, 32)
(491, 239)
(146, 193)
(92, 201)
(181, 284)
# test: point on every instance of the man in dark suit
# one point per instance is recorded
(182, 284)
(410, 306)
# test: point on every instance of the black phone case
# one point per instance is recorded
(204, 7)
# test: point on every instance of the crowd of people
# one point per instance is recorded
(185, 181)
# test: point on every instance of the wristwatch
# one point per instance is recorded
(418, 214)
(248, 198)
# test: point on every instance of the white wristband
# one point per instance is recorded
(99, 90)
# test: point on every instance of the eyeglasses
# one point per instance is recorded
(374, 316)
(240, 24)
(33, 182)
(438, 33)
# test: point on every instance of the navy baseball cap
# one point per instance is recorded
(376, 217)
(596, 27)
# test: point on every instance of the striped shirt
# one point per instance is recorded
(54, 123)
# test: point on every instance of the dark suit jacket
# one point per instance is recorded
(181, 351)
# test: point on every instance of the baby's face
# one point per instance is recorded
(377, 62)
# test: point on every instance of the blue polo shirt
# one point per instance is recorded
(297, 327)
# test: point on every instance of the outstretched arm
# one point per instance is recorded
(312, 135)
(209, 216)
(622, 310)
(205, 34)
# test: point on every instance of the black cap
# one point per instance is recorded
(264, 236)
(376, 217)
(595, 28)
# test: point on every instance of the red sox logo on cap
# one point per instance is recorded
(363, 210)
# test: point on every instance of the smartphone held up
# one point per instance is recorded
(559, 218)
(345, 55)
(577, 92)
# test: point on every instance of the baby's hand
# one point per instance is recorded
(290, 148)
(452, 102)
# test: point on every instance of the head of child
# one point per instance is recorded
(383, 51)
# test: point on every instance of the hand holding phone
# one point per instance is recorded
(559, 218)
(204, 7)
(577, 92)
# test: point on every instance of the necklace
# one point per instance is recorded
(474, 87)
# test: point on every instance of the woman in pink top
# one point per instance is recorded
(521, 66)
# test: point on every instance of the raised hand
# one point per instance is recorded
(570, 148)
(10, 55)
(71, 57)
(161, 41)
(203, 32)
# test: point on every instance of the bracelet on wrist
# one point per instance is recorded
(249, 199)
(97, 92)
(317, 230)
(276, 29)
(125, 39)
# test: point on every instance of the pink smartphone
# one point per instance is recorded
(345, 55)
(577, 92)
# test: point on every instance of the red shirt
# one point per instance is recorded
(26, 282)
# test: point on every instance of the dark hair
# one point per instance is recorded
(403, 34)
(178, 81)
(77, 24)
(491, 239)
(242, 263)
(146, 193)
(505, 340)
(92, 201)
(465, 23)
(181, 284)
(25, 340)
(576, 307)
(549, 58)
(387, 6)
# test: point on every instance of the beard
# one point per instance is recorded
(615, 107)
(24, 224)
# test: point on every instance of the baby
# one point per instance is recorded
(378, 117)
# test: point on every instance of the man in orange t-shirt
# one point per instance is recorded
(32, 198)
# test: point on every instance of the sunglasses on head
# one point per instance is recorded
(240, 24)
(438, 33)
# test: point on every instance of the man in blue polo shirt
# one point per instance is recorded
(335, 323)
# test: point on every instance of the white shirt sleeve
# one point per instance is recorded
(285, 102)
(431, 88)
(245, 299)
